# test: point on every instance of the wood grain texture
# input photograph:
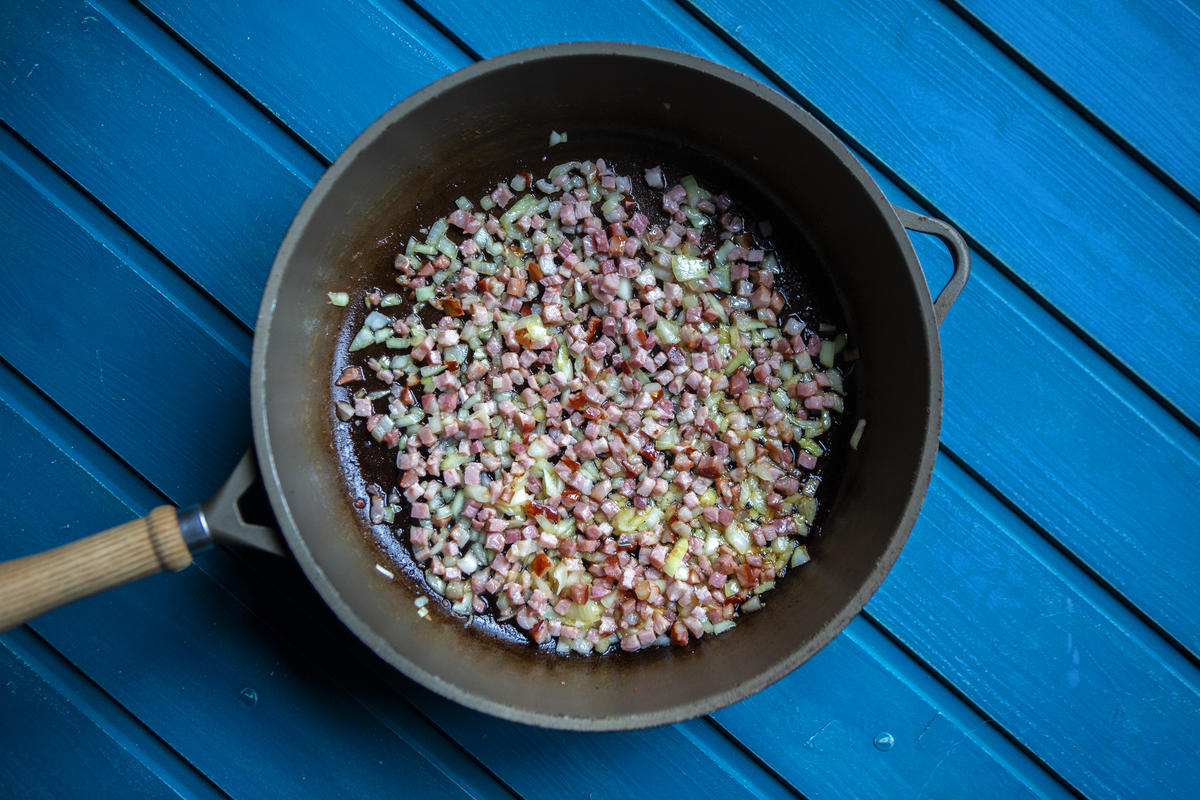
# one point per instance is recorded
(493, 29)
(114, 336)
(99, 766)
(817, 727)
(995, 153)
(128, 113)
(34, 584)
(1062, 464)
(385, 52)
(1105, 55)
(111, 754)
(1041, 649)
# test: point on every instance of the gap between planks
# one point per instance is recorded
(1071, 101)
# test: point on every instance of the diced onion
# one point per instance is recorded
(686, 268)
(363, 338)
(856, 437)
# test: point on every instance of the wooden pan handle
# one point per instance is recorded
(35, 584)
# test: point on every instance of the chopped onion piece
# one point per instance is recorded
(686, 268)
(826, 355)
(692, 188)
(856, 437)
(364, 338)
(375, 321)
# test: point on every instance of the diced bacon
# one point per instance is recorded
(501, 195)
(471, 474)
(464, 220)
(538, 601)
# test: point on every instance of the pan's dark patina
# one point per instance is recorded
(474, 127)
(462, 133)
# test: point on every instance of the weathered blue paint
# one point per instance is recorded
(191, 133)
(111, 753)
(375, 54)
(1104, 55)
(124, 110)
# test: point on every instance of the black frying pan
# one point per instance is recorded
(630, 104)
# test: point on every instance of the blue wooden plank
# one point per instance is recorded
(127, 112)
(686, 759)
(1105, 55)
(111, 754)
(328, 107)
(38, 720)
(1041, 649)
(887, 731)
(211, 678)
(491, 29)
(113, 335)
(1068, 445)
(1013, 166)
(384, 54)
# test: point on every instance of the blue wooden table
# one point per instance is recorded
(1040, 632)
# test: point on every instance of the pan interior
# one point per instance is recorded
(619, 102)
